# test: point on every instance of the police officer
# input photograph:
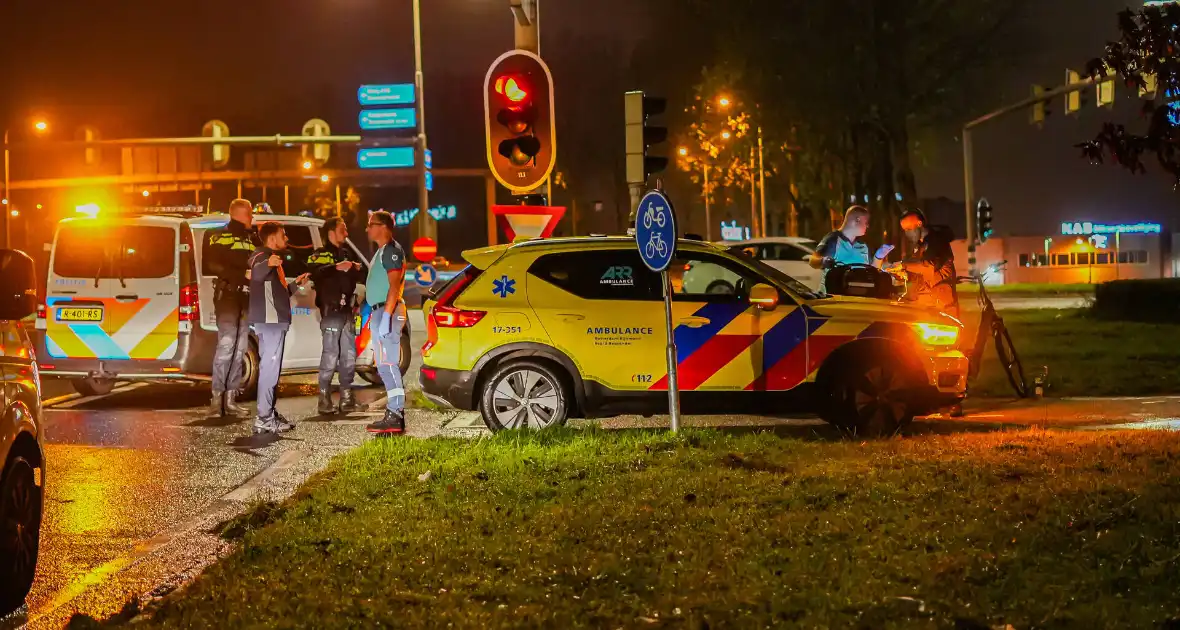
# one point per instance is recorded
(226, 254)
(336, 275)
(383, 292)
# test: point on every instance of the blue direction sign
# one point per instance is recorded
(429, 159)
(392, 157)
(429, 181)
(425, 275)
(400, 118)
(655, 230)
(393, 94)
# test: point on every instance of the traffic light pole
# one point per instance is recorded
(969, 162)
(426, 224)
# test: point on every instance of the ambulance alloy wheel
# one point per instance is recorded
(20, 529)
(524, 395)
(868, 394)
(91, 386)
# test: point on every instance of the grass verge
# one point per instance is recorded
(1085, 356)
(1032, 289)
(594, 529)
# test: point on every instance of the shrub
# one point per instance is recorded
(1139, 300)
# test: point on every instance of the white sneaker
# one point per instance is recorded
(265, 425)
(282, 425)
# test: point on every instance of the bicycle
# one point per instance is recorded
(991, 324)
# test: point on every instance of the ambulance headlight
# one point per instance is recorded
(937, 335)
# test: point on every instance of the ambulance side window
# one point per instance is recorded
(701, 277)
(614, 274)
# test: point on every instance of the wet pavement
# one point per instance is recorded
(137, 480)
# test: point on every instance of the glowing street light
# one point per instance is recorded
(723, 101)
(683, 151)
(147, 193)
(15, 212)
(40, 125)
(725, 135)
(324, 178)
(307, 165)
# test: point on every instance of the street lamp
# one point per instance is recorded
(39, 126)
(723, 101)
(307, 165)
(324, 178)
(147, 193)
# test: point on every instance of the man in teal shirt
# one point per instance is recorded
(383, 292)
(841, 247)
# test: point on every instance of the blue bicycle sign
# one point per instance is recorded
(655, 230)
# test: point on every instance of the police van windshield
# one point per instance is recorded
(122, 251)
(794, 285)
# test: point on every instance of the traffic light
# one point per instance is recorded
(518, 115)
(641, 136)
(983, 220)
(1040, 109)
(1073, 100)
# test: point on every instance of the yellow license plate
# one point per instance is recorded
(79, 314)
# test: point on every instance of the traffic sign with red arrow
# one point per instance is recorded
(528, 221)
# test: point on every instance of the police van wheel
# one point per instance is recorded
(524, 395)
(249, 387)
(93, 386)
(868, 395)
(405, 353)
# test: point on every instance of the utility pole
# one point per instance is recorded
(426, 225)
(708, 211)
(757, 229)
(761, 182)
(527, 25)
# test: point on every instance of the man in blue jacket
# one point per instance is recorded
(270, 316)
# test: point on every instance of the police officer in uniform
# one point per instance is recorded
(226, 254)
(336, 274)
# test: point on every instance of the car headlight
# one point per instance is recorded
(939, 335)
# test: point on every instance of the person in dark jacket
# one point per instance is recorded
(336, 274)
(225, 255)
(270, 315)
(933, 262)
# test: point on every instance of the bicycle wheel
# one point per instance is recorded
(1008, 358)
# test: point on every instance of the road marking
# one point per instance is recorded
(250, 488)
(95, 576)
(73, 400)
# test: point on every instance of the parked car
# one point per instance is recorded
(788, 254)
(22, 477)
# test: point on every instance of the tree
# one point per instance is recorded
(1146, 50)
(846, 84)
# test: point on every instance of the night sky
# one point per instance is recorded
(134, 68)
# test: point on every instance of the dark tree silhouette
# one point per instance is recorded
(1147, 48)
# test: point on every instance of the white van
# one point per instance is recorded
(126, 300)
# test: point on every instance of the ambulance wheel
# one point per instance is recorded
(249, 387)
(524, 395)
(93, 386)
(868, 394)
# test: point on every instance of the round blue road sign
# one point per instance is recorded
(655, 230)
(425, 275)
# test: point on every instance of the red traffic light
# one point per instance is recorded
(511, 88)
(518, 115)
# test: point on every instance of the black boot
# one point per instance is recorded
(347, 401)
(325, 406)
(217, 405)
(394, 423)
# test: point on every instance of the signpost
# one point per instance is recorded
(390, 94)
(378, 119)
(392, 157)
(528, 221)
(655, 236)
(424, 249)
(425, 275)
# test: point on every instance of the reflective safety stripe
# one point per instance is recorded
(395, 392)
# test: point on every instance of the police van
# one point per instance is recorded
(126, 300)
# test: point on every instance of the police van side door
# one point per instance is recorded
(304, 340)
